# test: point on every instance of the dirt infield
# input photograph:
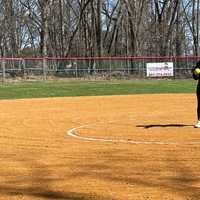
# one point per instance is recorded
(136, 147)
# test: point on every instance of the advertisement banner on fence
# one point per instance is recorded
(161, 69)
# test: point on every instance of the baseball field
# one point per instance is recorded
(99, 140)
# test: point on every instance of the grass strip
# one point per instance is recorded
(63, 88)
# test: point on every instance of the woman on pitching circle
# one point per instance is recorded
(196, 76)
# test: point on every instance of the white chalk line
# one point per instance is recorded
(73, 133)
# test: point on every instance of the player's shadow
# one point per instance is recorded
(163, 125)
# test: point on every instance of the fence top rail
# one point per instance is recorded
(113, 58)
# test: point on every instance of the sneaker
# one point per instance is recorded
(197, 125)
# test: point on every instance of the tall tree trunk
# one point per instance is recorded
(99, 28)
(178, 33)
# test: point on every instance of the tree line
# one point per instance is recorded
(99, 28)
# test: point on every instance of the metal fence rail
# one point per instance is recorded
(84, 67)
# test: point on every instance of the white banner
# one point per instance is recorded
(162, 69)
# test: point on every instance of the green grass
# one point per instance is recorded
(63, 88)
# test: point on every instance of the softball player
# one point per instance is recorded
(196, 76)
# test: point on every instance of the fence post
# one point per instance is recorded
(45, 68)
(175, 67)
(76, 68)
(24, 68)
(110, 69)
(128, 67)
(3, 71)
(144, 68)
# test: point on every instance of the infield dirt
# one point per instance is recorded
(39, 160)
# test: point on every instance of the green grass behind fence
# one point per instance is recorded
(63, 88)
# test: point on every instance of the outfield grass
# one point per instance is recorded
(63, 88)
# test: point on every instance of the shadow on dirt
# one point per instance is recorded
(47, 194)
(172, 170)
(164, 125)
(35, 180)
(172, 174)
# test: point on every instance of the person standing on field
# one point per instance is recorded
(196, 76)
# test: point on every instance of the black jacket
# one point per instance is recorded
(194, 76)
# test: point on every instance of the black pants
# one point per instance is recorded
(198, 100)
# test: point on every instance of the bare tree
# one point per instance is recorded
(191, 11)
(99, 27)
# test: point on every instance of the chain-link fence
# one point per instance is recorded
(95, 67)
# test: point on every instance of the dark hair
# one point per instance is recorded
(198, 64)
